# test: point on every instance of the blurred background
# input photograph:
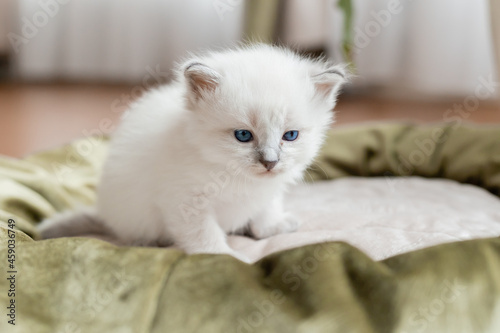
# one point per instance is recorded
(68, 68)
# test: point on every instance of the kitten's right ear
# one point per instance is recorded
(328, 82)
(201, 79)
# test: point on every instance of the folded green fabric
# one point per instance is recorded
(87, 285)
(467, 154)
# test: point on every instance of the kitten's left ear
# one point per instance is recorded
(328, 83)
(201, 79)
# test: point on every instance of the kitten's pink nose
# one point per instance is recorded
(269, 165)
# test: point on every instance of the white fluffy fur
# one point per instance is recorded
(175, 171)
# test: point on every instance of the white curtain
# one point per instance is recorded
(121, 39)
(436, 47)
(431, 47)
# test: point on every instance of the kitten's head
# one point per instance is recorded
(264, 108)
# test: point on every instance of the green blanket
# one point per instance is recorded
(87, 285)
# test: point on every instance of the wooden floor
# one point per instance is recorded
(36, 117)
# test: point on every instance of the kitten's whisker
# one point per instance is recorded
(308, 174)
(239, 183)
(233, 179)
(239, 174)
(245, 186)
(319, 166)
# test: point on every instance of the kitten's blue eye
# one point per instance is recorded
(243, 135)
(290, 135)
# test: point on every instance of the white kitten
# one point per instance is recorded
(213, 152)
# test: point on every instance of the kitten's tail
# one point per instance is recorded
(83, 222)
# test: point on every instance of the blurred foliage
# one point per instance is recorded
(347, 39)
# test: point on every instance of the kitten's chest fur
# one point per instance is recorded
(232, 199)
(241, 201)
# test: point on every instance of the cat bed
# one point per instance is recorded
(89, 285)
(382, 217)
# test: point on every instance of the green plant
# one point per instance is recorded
(347, 39)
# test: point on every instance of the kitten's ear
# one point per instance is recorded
(201, 79)
(328, 83)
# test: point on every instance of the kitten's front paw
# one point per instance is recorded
(287, 223)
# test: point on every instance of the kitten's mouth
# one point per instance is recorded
(269, 173)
